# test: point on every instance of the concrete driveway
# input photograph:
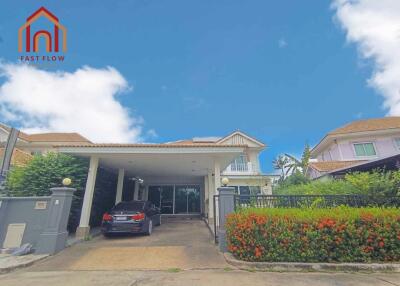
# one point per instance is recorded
(178, 244)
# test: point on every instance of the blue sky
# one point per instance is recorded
(281, 71)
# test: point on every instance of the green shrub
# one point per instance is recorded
(377, 182)
(315, 235)
(45, 172)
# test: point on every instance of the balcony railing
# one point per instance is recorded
(241, 168)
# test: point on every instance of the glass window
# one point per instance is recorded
(255, 190)
(364, 149)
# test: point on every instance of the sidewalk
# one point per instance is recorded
(9, 263)
(210, 277)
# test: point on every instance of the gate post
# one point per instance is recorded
(54, 236)
(226, 205)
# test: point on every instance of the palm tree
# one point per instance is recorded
(293, 164)
(280, 163)
(299, 165)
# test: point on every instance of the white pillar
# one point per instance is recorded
(120, 185)
(83, 229)
(217, 175)
(211, 193)
(206, 196)
(136, 191)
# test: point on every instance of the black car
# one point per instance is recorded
(131, 217)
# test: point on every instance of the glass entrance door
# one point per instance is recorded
(178, 199)
(162, 197)
(187, 199)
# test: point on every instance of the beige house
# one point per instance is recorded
(179, 177)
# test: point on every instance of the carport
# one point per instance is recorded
(181, 179)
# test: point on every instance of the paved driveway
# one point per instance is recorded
(180, 244)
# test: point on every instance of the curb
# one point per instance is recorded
(4, 270)
(312, 267)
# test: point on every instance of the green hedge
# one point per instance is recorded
(315, 235)
(377, 182)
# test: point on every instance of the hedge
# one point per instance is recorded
(340, 234)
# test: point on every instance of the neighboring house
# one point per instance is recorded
(39, 143)
(18, 158)
(179, 177)
(357, 143)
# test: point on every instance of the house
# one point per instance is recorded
(180, 177)
(32, 144)
(359, 143)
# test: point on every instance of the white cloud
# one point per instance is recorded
(82, 101)
(374, 25)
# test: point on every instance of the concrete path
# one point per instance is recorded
(181, 244)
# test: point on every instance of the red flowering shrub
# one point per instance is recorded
(315, 235)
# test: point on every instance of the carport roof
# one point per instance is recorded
(158, 159)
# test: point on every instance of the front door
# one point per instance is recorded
(163, 198)
(176, 199)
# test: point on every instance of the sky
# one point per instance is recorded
(286, 72)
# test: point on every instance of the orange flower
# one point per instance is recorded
(258, 252)
(381, 244)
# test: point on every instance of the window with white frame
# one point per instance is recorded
(364, 149)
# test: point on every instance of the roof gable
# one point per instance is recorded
(239, 138)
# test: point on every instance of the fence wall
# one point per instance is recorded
(40, 221)
(31, 211)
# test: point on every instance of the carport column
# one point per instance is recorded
(136, 190)
(206, 197)
(120, 185)
(211, 193)
(217, 176)
(84, 228)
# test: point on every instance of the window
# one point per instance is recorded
(247, 190)
(364, 149)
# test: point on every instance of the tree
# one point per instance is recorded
(280, 163)
(45, 172)
(295, 164)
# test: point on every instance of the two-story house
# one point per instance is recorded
(179, 177)
(358, 143)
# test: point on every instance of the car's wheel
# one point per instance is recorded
(149, 228)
